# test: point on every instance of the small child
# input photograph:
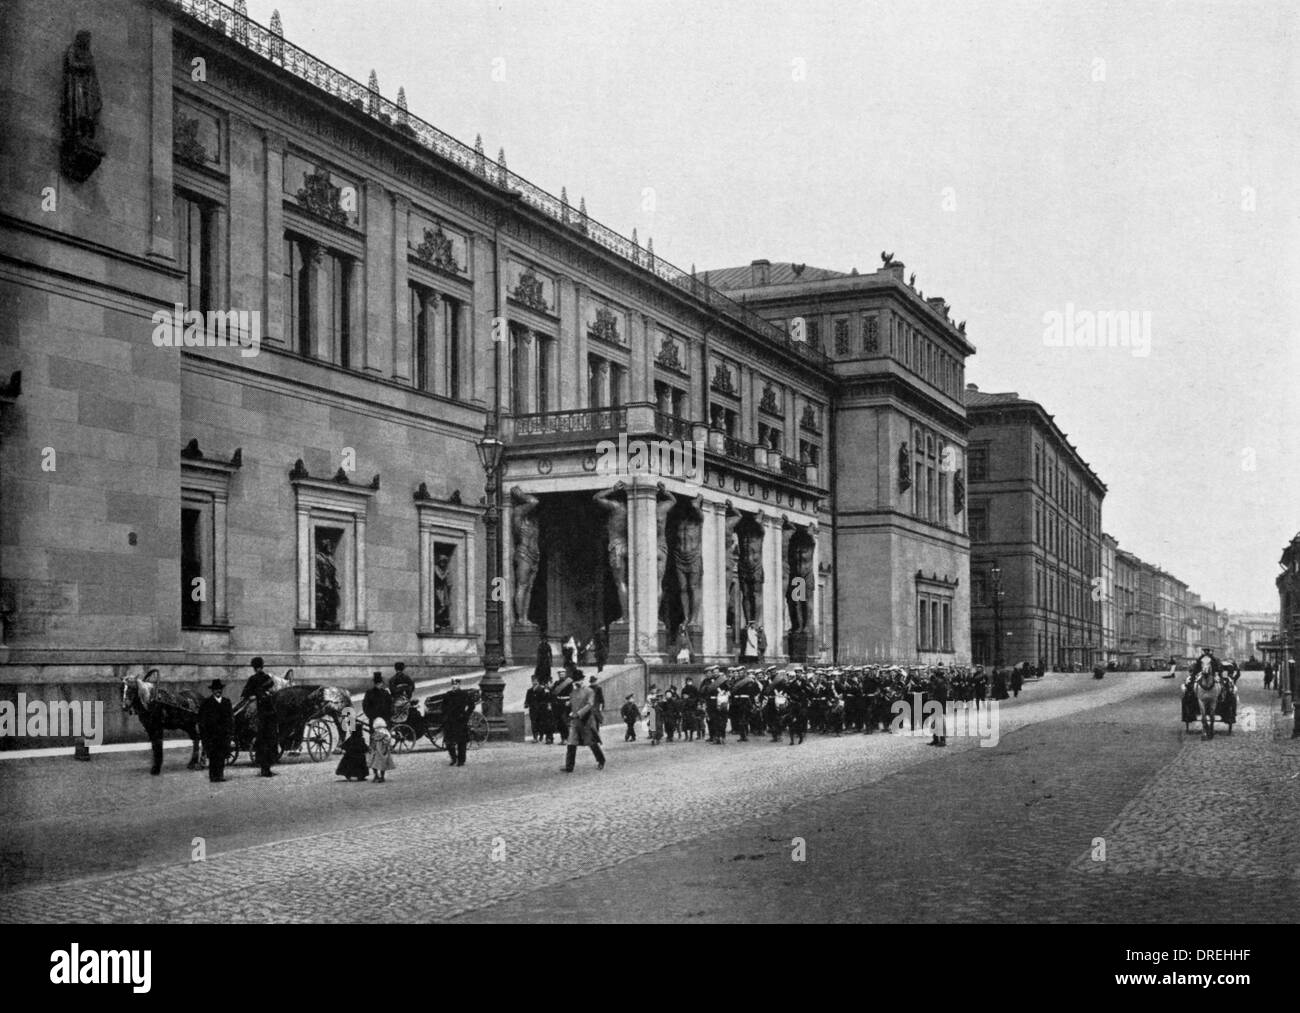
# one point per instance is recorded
(354, 762)
(631, 713)
(381, 749)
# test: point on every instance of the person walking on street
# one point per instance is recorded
(355, 762)
(629, 713)
(457, 706)
(535, 706)
(598, 706)
(216, 725)
(581, 733)
(381, 759)
(600, 647)
(261, 688)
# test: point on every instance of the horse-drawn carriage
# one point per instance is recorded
(413, 720)
(310, 718)
(1220, 694)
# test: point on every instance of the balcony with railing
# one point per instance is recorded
(270, 45)
(586, 427)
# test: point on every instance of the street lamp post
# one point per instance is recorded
(998, 595)
(492, 686)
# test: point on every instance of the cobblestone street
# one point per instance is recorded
(892, 830)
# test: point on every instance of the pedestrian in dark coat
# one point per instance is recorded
(1017, 679)
(457, 706)
(378, 702)
(261, 688)
(542, 670)
(401, 683)
(600, 644)
(581, 727)
(355, 757)
(216, 726)
(630, 713)
(999, 684)
(535, 705)
(938, 692)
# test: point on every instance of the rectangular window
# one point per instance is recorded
(978, 521)
(420, 337)
(518, 371)
(922, 624)
(339, 340)
(617, 375)
(327, 577)
(593, 382)
(841, 336)
(451, 309)
(192, 578)
(543, 373)
(977, 462)
(871, 335)
(297, 295)
(195, 250)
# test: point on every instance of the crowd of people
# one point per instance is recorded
(742, 701)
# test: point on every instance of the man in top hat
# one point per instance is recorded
(261, 687)
(401, 684)
(457, 706)
(216, 726)
(378, 702)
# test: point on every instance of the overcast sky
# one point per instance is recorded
(1020, 157)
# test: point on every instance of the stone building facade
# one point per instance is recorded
(1035, 514)
(264, 318)
(896, 439)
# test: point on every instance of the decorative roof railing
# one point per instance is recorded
(272, 46)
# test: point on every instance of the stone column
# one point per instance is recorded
(815, 595)
(580, 345)
(161, 194)
(219, 561)
(305, 559)
(465, 368)
(773, 596)
(388, 308)
(643, 571)
(435, 342)
(276, 311)
(359, 576)
(638, 384)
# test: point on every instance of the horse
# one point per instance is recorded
(1207, 693)
(163, 710)
(295, 705)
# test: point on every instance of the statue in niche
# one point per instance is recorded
(664, 503)
(616, 537)
(327, 579)
(688, 560)
(751, 571)
(801, 583)
(81, 153)
(442, 593)
(733, 519)
(527, 552)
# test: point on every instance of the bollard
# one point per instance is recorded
(81, 751)
(1286, 701)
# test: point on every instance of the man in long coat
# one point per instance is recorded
(216, 725)
(457, 706)
(261, 687)
(582, 730)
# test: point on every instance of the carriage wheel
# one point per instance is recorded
(318, 737)
(478, 729)
(403, 738)
(435, 736)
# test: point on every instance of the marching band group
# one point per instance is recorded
(742, 701)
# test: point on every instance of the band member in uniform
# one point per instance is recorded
(939, 693)
(216, 725)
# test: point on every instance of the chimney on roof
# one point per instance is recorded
(760, 272)
(971, 386)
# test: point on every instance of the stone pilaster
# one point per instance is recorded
(388, 308)
(643, 570)
(580, 346)
(276, 304)
(714, 597)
